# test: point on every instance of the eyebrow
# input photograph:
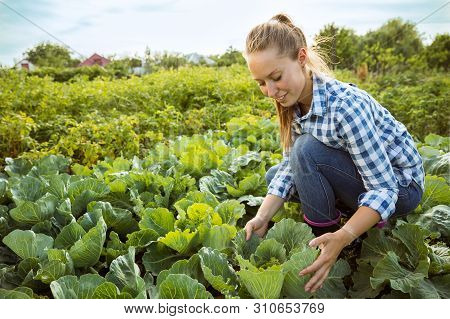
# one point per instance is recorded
(274, 71)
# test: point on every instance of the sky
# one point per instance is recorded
(127, 28)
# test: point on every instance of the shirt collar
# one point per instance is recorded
(318, 102)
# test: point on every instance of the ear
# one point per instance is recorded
(301, 57)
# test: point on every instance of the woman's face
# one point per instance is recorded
(279, 78)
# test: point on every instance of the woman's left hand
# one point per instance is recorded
(330, 245)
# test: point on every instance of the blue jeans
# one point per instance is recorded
(323, 174)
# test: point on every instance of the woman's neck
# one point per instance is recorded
(306, 97)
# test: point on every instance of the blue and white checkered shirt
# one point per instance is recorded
(345, 117)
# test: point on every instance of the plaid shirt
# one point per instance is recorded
(347, 118)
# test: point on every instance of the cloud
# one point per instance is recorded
(203, 26)
(156, 6)
(82, 23)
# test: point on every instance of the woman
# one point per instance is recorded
(338, 144)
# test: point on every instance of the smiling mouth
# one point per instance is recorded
(281, 98)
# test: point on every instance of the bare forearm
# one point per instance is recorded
(270, 206)
(361, 221)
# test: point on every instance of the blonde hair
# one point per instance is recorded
(279, 32)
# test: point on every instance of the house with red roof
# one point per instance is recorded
(95, 59)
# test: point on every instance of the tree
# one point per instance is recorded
(341, 44)
(165, 60)
(390, 47)
(50, 55)
(437, 53)
(401, 36)
(231, 56)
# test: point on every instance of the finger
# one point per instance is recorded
(319, 282)
(248, 230)
(314, 279)
(314, 266)
(319, 240)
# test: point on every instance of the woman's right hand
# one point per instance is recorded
(258, 225)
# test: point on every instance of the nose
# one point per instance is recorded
(271, 90)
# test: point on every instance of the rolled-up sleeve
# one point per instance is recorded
(282, 184)
(357, 127)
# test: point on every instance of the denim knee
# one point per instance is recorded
(304, 146)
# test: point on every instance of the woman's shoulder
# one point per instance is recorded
(342, 90)
(341, 96)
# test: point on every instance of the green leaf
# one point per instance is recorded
(108, 290)
(291, 234)
(118, 219)
(28, 189)
(389, 270)
(57, 185)
(442, 284)
(439, 259)
(70, 287)
(118, 186)
(235, 192)
(82, 192)
(159, 257)
(438, 165)
(181, 241)
(198, 212)
(251, 200)
(261, 283)
(424, 290)
(217, 271)
(161, 220)
(17, 167)
(436, 219)
(25, 243)
(220, 236)
(216, 183)
(114, 247)
(190, 267)
(436, 193)
(333, 287)
(90, 219)
(81, 170)
(63, 257)
(377, 245)
(230, 211)
(361, 282)
(438, 141)
(195, 197)
(27, 265)
(31, 213)
(86, 251)
(294, 284)
(249, 183)
(124, 273)
(243, 161)
(244, 247)
(413, 237)
(17, 293)
(181, 286)
(69, 235)
(268, 253)
(51, 270)
(142, 238)
(50, 165)
(45, 227)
